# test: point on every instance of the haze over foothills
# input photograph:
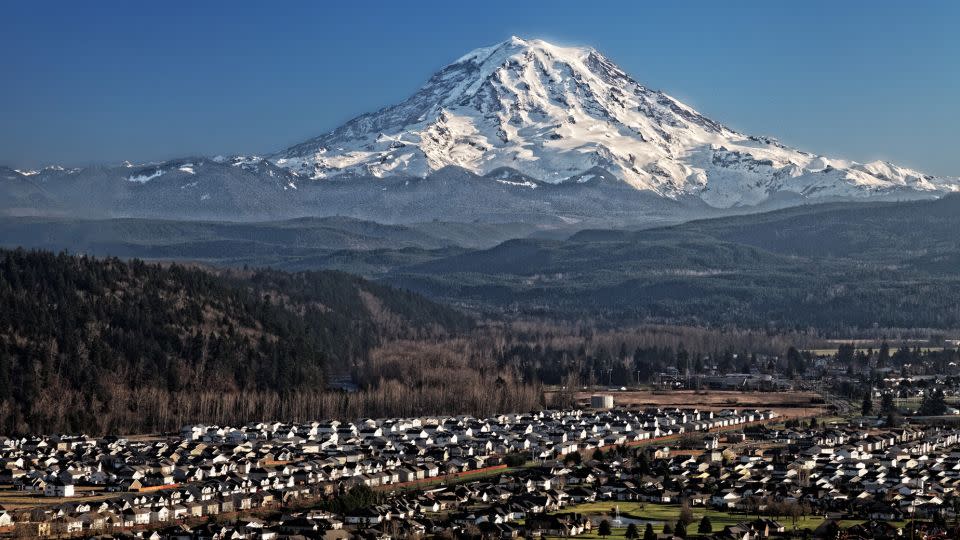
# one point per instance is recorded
(390, 271)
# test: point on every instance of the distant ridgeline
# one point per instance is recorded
(103, 345)
(838, 268)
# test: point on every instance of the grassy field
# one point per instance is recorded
(669, 513)
(11, 498)
(875, 346)
(911, 404)
(788, 404)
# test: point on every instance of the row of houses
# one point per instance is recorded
(209, 470)
(914, 468)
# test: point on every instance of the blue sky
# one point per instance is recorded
(105, 81)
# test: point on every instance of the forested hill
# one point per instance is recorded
(82, 340)
(838, 268)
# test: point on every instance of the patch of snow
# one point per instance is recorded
(238, 161)
(144, 178)
(525, 183)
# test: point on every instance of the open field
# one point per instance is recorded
(831, 346)
(12, 499)
(658, 514)
(790, 404)
(874, 346)
(912, 404)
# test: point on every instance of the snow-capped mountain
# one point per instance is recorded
(551, 114)
(520, 132)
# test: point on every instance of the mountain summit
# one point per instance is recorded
(555, 113)
(520, 132)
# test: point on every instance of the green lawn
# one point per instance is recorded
(668, 513)
(911, 404)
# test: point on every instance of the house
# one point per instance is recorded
(364, 516)
(56, 487)
(67, 525)
(570, 524)
(93, 521)
(136, 516)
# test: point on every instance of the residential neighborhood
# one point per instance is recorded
(513, 475)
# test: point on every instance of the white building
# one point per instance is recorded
(601, 401)
(58, 488)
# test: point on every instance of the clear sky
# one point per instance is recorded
(105, 81)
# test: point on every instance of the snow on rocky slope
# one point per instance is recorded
(520, 132)
(551, 113)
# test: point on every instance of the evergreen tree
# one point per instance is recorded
(686, 513)
(648, 533)
(573, 458)
(795, 362)
(883, 357)
(643, 463)
(867, 406)
(846, 353)
(887, 404)
(933, 403)
(604, 529)
(680, 529)
(726, 362)
(705, 526)
(632, 532)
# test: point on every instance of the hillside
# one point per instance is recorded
(833, 267)
(277, 243)
(836, 267)
(83, 341)
(871, 231)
